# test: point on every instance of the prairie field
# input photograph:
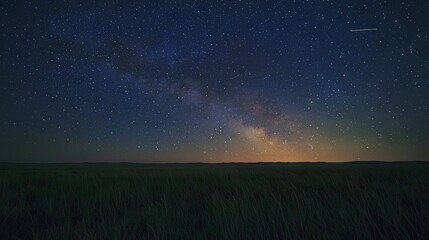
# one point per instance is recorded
(215, 201)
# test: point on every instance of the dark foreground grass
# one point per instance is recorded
(225, 201)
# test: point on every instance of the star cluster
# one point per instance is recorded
(214, 81)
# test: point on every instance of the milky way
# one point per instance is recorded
(215, 81)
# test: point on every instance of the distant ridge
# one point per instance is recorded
(380, 162)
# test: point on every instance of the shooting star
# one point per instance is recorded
(364, 30)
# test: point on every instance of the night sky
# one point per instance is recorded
(214, 81)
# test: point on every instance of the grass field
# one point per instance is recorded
(221, 201)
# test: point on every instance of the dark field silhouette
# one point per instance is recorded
(220, 201)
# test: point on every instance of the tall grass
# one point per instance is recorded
(226, 201)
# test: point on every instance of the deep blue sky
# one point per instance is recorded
(166, 81)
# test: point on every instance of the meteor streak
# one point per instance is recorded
(364, 30)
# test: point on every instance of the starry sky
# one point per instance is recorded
(214, 81)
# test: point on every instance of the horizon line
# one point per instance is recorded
(213, 163)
